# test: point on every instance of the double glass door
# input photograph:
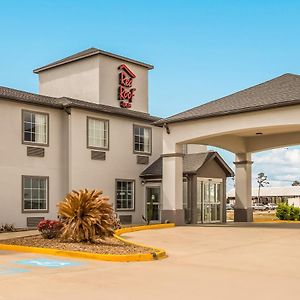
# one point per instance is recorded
(209, 204)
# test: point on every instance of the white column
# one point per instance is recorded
(243, 211)
(172, 206)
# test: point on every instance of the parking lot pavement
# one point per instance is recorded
(210, 262)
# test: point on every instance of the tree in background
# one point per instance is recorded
(262, 181)
(295, 183)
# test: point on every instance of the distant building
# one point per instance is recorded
(270, 194)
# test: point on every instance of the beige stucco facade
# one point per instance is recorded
(94, 79)
(67, 161)
(14, 162)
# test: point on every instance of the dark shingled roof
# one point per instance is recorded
(280, 91)
(191, 164)
(64, 102)
(88, 53)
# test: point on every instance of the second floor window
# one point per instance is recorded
(97, 130)
(142, 139)
(35, 128)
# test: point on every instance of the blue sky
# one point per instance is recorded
(201, 50)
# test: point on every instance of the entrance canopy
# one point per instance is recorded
(261, 117)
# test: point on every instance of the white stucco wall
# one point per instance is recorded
(67, 159)
(79, 80)
(120, 160)
(14, 162)
(94, 79)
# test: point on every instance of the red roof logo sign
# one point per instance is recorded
(125, 91)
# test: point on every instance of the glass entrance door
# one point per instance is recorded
(209, 200)
(153, 203)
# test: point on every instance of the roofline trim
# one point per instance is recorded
(229, 112)
(97, 52)
(62, 106)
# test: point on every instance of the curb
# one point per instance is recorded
(277, 221)
(156, 254)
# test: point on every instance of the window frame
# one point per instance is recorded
(116, 194)
(87, 133)
(23, 128)
(150, 140)
(25, 211)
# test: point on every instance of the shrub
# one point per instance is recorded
(50, 229)
(86, 216)
(294, 213)
(287, 212)
(283, 211)
(116, 223)
(7, 228)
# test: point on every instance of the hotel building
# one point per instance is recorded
(89, 127)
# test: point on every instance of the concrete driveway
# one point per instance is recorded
(206, 262)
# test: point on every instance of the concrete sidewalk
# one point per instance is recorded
(17, 234)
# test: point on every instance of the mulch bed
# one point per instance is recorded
(108, 246)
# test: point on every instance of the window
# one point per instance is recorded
(125, 194)
(35, 128)
(97, 133)
(142, 139)
(35, 193)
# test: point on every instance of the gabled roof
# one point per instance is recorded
(64, 102)
(88, 53)
(278, 92)
(191, 164)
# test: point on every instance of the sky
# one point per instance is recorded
(201, 50)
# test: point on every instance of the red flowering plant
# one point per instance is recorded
(50, 229)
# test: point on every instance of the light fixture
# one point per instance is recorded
(258, 133)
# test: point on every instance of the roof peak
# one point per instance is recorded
(88, 53)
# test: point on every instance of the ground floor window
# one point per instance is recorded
(125, 194)
(35, 193)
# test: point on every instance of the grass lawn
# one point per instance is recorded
(257, 215)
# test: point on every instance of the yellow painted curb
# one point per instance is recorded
(156, 254)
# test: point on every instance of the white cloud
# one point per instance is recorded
(282, 166)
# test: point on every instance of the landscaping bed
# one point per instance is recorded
(108, 246)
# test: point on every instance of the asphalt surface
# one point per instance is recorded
(258, 261)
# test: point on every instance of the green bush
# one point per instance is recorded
(283, 211)
(287, 212)
(295, 213)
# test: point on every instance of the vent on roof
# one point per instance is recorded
(98, 155)
(125, 219)
(35, 151)
(32, 222)
(142, 160)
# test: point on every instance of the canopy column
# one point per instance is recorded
(243, 211)
(172, 206)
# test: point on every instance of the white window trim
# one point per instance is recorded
(150, 139)
(133, 192)
(23, 128)
(87, 133)
(47, 195)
